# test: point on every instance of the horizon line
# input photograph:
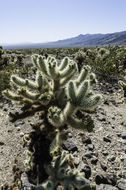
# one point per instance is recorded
(22, 43)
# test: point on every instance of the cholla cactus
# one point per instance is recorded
(123, 85)
(59, 174)
(60, 93)
(80, 57)
(103, 53)
(53, 84)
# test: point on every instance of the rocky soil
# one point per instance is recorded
(101, 155)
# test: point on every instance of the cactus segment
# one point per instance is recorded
(90, 102)
(82, 90)
(66, 79)
(64, 63)
(55, 116)
(45, 98)
(52, 68)
(72, 92)
(39, 80)
(85, 124)
(27, 94)
(42, 63)
(18, 80)
(11, 95)
(85, 72)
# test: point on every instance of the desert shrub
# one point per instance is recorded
(109, 63)
(10, 63)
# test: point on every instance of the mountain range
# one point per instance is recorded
(117, 38)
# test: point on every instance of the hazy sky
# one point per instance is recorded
(50, 20)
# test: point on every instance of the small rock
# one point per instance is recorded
(2, 143)
(105, 187)
(76, 161)
(105, 153)
(87, 171)
(18, 123)
(10, 130)
(122, 184)
(5, 109)
(70, 146)
(21, 134)
(106, 102)
(70, 135)
(95, 153)
(86, 139)
(103, 166)
(123, 136)
(113, 118)
(119, 134)
(108, 178)
(106, 139)
(18, 128)
(102, 119)
(123, 157)
(88, 154)
(94, 161)
(111, 158)
(90, 146)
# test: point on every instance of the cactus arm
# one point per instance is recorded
(11, 95)
(27, 94)
(35, 60)
(57, 142)
(69, 68)
(75, 123)
(52, 68)
(81, 97)
(90, 101)
(55, 86)
(82, 91)
(63, 64)
(64, 80)
(65, 72)
(39, 80)
(42, 63)
(79, 124)
(61, 97)
(18, 80)
(84, 74)
(68, 110)
(31, 84)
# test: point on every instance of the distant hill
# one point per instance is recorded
(117, 38)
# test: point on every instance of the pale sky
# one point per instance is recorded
(50, 20)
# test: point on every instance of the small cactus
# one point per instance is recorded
(59, 174)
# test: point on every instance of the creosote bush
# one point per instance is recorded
(57, 93)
